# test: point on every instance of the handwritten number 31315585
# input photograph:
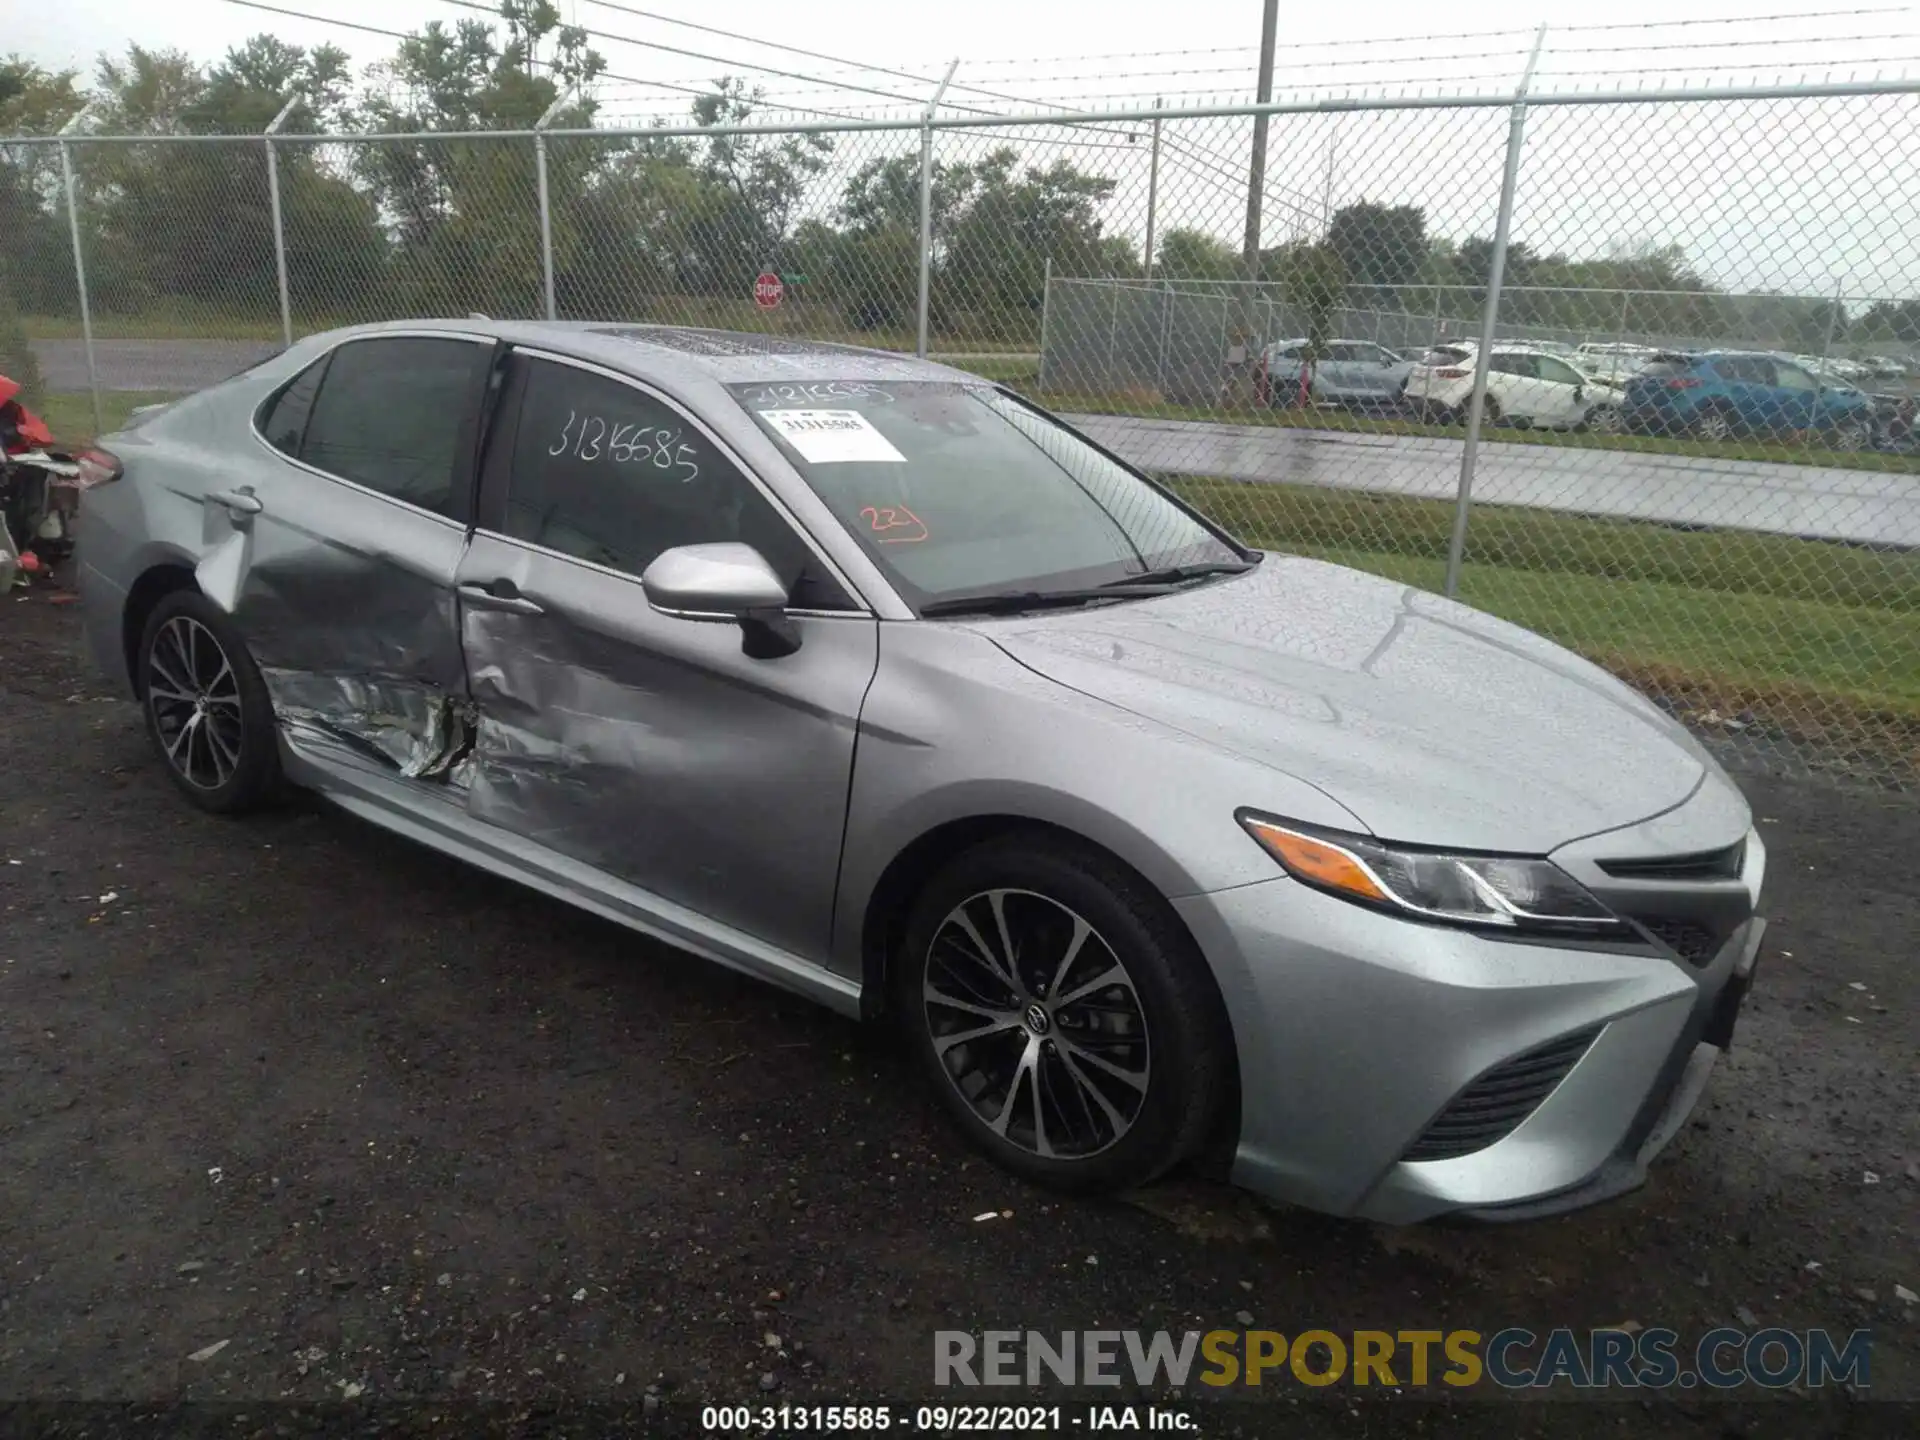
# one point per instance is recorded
(629, 444)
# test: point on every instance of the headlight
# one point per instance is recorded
(1508, 892)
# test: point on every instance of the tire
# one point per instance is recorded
(206, 707)
(1605, 420)
(1025, 1093)
(1712, 425)
(1850, 435)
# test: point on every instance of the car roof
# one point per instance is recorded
(672, 355)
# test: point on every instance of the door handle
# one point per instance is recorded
(239, 502)
(485, 597)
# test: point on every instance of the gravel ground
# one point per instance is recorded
(386, 1130)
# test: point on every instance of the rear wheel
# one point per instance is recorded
(207, 709)
(1712, 425)
(1605, 420)
(1062, 1015)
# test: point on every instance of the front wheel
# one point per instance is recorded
(1063, 1016)
(1850, 435)
(207, 709)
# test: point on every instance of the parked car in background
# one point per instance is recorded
(1612, 362)
(1716, 394)
(1526, 387)
(1351, 372)
(1892, 400)
(867, 677)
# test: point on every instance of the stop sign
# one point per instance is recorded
(767, 290)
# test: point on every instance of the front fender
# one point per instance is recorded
(955, 729)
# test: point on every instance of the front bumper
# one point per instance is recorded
(1356, 1029)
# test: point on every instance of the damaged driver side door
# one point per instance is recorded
(337, 554)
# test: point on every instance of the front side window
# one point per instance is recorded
(612, 474)
(958, 490)
(396, 414)
(1559, 371)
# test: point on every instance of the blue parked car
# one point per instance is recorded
(1716, 394)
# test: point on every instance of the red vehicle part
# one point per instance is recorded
(22, 429)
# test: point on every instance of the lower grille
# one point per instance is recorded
(1492, 1107)
(1694, 943)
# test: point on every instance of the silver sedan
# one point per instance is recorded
(868, 678)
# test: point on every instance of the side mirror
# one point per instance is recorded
(1579, 392)
(727, 583)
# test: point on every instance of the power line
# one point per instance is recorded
(711, 59)
(546, 64)
(850, 65)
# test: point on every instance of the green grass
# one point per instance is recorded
(1776, 452)
(70, 417)
(1821, 640)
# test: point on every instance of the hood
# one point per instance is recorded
(1432, 722)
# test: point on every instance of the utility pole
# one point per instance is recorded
(1257, 165)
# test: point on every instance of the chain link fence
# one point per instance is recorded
(1638, 373)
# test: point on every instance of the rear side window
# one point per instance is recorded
(1512, 364)
(397, 416)
(283, 420)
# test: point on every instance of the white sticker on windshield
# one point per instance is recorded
(832, 437)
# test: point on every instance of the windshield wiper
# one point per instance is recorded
(1176, 574)
(1012, 602)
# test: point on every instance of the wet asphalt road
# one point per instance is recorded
(1866, 507)
(1862, 506)
(397, 1131)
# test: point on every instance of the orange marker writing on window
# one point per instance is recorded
(894, 524)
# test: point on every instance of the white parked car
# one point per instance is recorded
(1526, 387)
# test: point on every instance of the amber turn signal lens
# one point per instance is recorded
(1316, 861)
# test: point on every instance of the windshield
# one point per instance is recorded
(960, 490)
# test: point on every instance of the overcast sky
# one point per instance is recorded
(919, 37)
(1797, 197)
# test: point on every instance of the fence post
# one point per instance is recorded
(1153, 197)
(546, 209)
(80, 262)
(279, 229)
(1490, 317)
(1833, 319)
(926, 209)
(1046, 304)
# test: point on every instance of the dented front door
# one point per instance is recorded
(336, 550)
(652, 747)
